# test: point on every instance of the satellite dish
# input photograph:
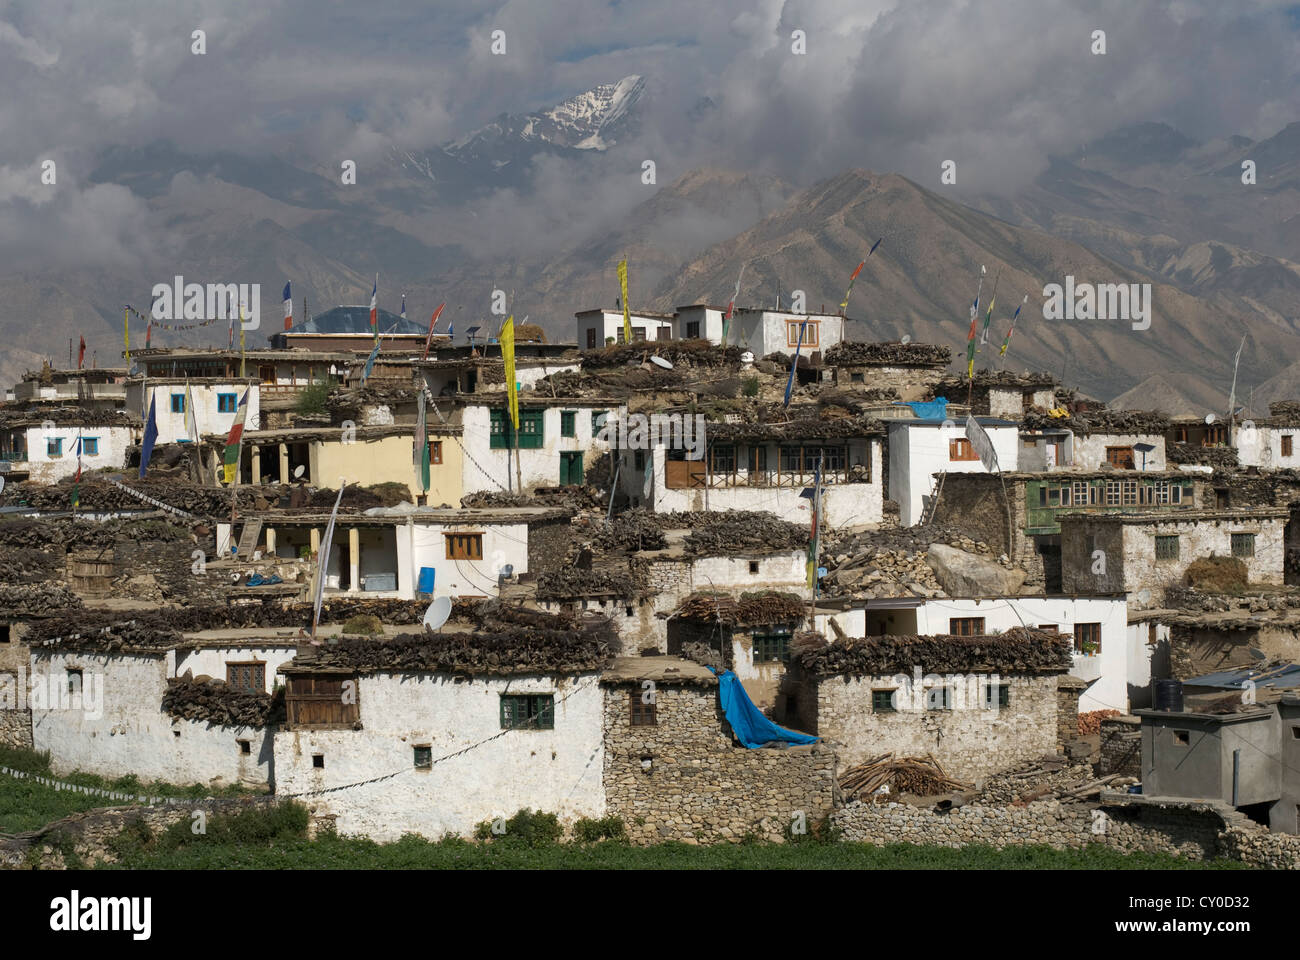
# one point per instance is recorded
(2, 483)
(508, 570)
(661, 362)
(906, 338)
(437, 613)
(1209, 418)
(298, 471)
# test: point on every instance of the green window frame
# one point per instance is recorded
(938, 698)
(772, 645)
(1167, 547)
(1003, 695)
(598, 418)
(568, 423)
(882, 701)
(1243, 544)
(178, 403)
(423, 757)
(531, 430)
(528, 711)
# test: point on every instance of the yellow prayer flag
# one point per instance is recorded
(508, 354)
(627, 317)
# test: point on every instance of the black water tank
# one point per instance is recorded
(1169, 695)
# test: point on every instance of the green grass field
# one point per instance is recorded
(276, 840)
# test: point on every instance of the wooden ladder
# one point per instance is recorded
(934, 500)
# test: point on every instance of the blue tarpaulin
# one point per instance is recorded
(747, 721)
(931, 410)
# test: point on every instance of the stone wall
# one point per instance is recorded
(15, 724)
(1068, 691)
(1121, 746)
(91, 832)
(970, 741)
(1191, 833)
(700, 786)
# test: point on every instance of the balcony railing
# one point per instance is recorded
(685, 474)
(13, 455)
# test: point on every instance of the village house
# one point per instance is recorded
(763, 331)
(470, 370)
(559, 440)
(1101, 654)
(1243, 754)
(673, 768)
(927, 451)
(215, 399)
(50, 443)
(97, 388)
(600, 327)
(978, 705)
(399, 552)
(1270, 442)
(361, 455)
(423, 734)
(1115, 439)
(749, 465)
(116, 708)
(347, 330)
(983, 506)
(1001, 394)
(912, 370)
(1142, 554)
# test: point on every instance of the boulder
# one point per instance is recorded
(963, 574)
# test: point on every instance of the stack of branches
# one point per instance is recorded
(737, 532)
(1041, 778)
(809, 422)
(1218, 457)
(29, 565)
(1090, 721)
(388, 494)
(697, 353)
(36, 599)
(211, 700)
(569, 583)
(97, 495)
(920, 776)
(1017, 650)
(161, 627)
(633, 531)
(510, 641)
(1102, 421)
(751, 609)
(850, 353)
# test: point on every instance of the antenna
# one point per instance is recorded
(437, 614)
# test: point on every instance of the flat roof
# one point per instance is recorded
(442, 515)
(1175, 515)
(658, 669)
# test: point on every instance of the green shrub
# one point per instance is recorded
(312, 398)
(587, 830)
(530, 828)
(818, 831)
(750, 387)
(257, 826)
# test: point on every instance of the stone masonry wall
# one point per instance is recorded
(970, 741)
(701, 787)
(1068, 691)
(1121, 746)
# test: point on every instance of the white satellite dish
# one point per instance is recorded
(437, 613)
(298, 471)
(1209, 418)
(661, 362)
(906, 338)
(508, 570)
(2, 483)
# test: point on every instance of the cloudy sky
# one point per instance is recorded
(893, 86)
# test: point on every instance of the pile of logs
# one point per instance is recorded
(922, 776)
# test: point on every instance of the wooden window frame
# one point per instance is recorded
(810, 333)
(258, 668)
(944, 698)
(1093, 635)
(591, 338)
(532, 429)
(960, 449)
(1121, 458)
(1247, 539)
(422, 756)
(225, 400)
(957, 626)
(1163, 548)
(53, 448)
(463, 546)
(1288, 444)
(1004, 695)
(568, 423)
(882, 701)
(178, 403)
(86, 450)
(302, 694)
(538, 711)
(639, 713)
(774, 642)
